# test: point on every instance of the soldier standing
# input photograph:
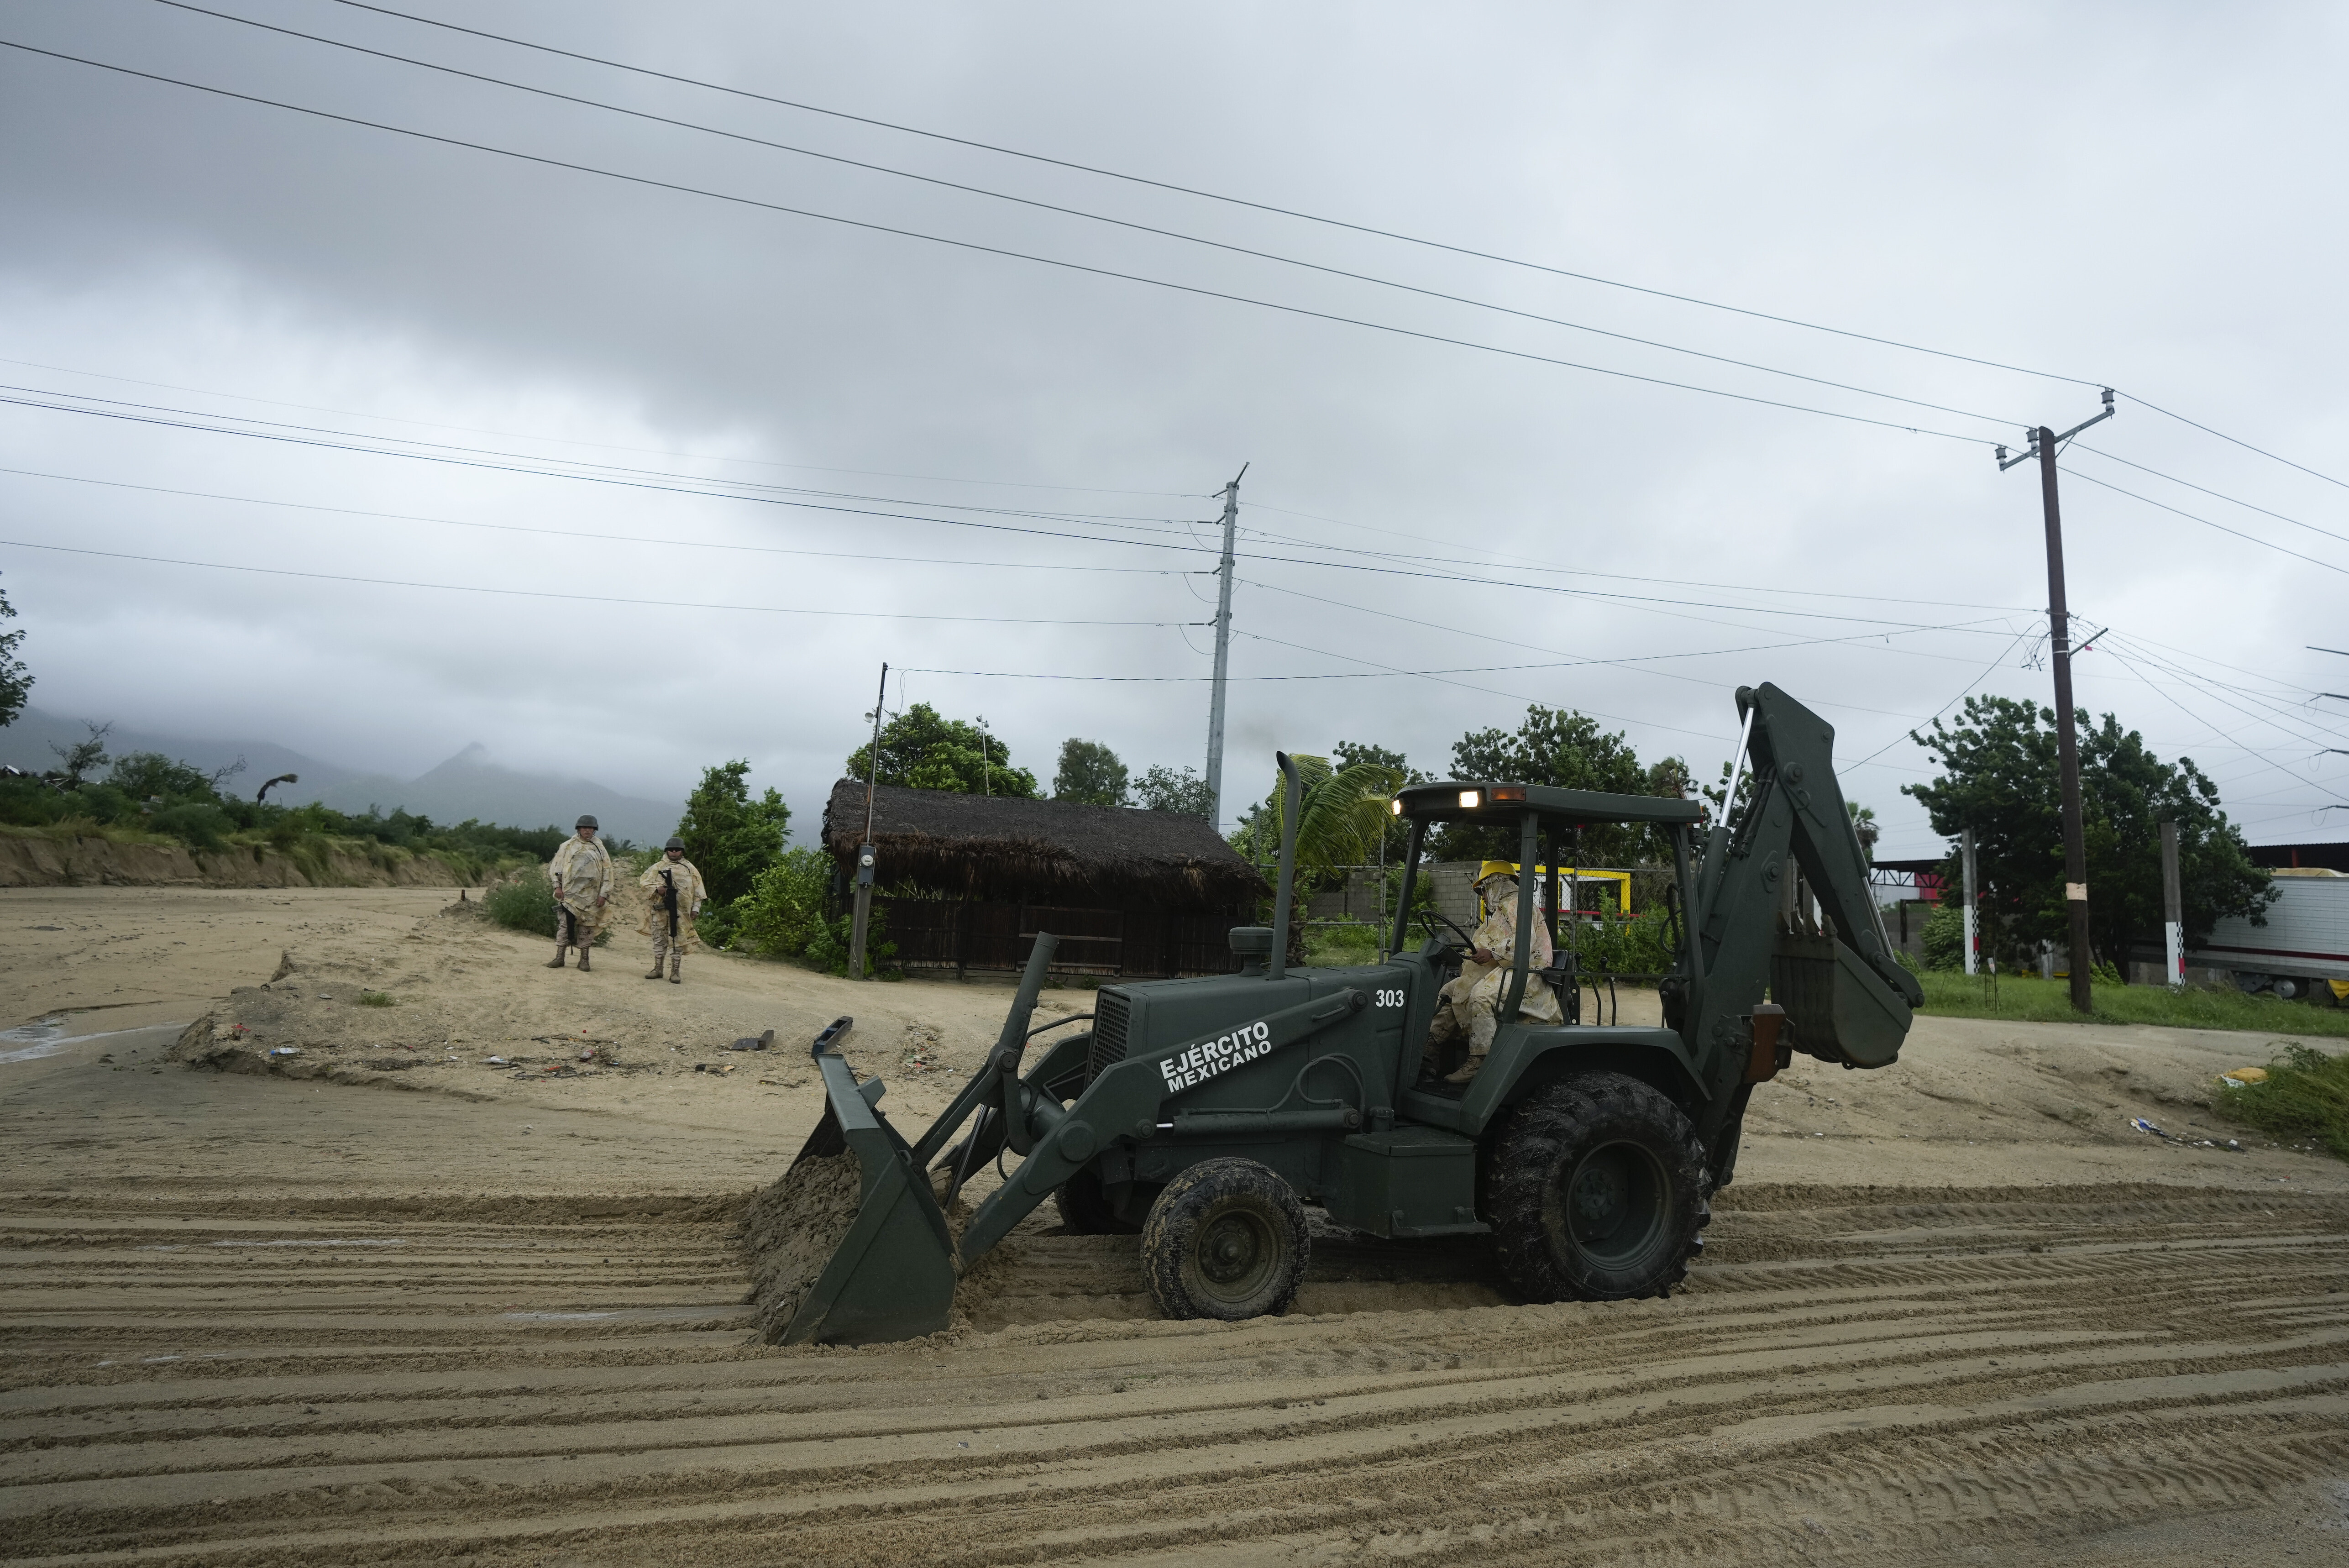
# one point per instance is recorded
(581, 873)
(673, 894)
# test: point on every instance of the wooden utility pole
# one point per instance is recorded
(2043, 445)
(864, 856)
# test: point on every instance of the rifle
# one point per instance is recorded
(668, 900)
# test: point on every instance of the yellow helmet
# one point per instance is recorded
(1496, 869)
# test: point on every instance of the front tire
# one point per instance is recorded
(1226, 1240)
(1597, 1191)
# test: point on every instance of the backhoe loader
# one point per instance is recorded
(1206, 1114)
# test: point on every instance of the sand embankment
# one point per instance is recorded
(27, 860)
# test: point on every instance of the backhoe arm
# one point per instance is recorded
(1847, 998)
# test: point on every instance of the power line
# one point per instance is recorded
(2216, 495)
(568, 441)
(1209, 195)
(1074, 211)
(593, 479)
(580, 598)
(2223, 435)
(1599, 594)
(975, 247)
(609, 538)
(1105, 520)
(2206, 523)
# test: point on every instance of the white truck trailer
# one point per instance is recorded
(2303, 944)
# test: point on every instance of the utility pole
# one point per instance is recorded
(1223, 654)
(2173, 909)
(1966, 867)
(864, 856)
(2043, 445)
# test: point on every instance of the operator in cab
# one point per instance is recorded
(1470, 1007)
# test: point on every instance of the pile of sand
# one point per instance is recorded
(794, 1226)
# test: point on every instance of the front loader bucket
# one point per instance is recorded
(850, 1246)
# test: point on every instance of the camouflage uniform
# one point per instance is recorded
(583, 871)
(691, 892)
(1471, 1005)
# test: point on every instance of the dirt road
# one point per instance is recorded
(260, 1319)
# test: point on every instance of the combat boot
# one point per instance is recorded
(560, 949)
(583, 960)
(655, 971)
(677, 969)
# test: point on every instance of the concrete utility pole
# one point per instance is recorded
(1223, 654)
(1966, 867)
(2173, 908)
(864, 856)
(2043, 445)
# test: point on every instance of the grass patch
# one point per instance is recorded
(2304, 1100)
(1341, 946)
(375, 1000)
(2031, 999)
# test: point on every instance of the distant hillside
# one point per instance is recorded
(468, 785)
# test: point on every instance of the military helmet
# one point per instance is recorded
(674, 843)
(588, 821)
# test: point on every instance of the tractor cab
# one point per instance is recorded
(1541, 826)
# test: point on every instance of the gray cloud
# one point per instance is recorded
(2118, 193)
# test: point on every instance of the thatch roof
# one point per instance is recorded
(983, 847)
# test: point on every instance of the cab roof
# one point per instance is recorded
(1468, 800)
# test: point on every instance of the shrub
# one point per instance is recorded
(783, 911)
(526, 903)
(2307, 1096)
(1945, 938)
(828, 949)
(375, 998)
(199, 825)
(1612, 944)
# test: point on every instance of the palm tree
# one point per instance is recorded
(1341, 822)
(1863, 827)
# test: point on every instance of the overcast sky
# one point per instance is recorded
(2139, 196)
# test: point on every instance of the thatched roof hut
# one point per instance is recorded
(1046, 852)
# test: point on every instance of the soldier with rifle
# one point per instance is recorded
(673, 894)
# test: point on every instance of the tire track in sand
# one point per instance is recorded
(1852, 1377)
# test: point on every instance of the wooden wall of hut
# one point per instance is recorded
(983, 937)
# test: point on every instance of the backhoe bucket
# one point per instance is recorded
(850, 1246)
(1841, 1009)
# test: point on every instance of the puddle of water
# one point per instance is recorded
(29, 1042)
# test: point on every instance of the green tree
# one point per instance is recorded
(1568, 750)
(1164, 789)
(1863, 827)
(83, 757)
(1343, 816)
(922, 751)
(1999, 777)
(15, 680)
(1397, 833)
(1089, 773)
(731, 836)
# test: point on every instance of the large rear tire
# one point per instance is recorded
(1596, 1191)
(1226, 1240)
(1085, 1209)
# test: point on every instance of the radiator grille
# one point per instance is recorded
(1110, 1014)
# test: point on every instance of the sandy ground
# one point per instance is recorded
(412, 1304)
